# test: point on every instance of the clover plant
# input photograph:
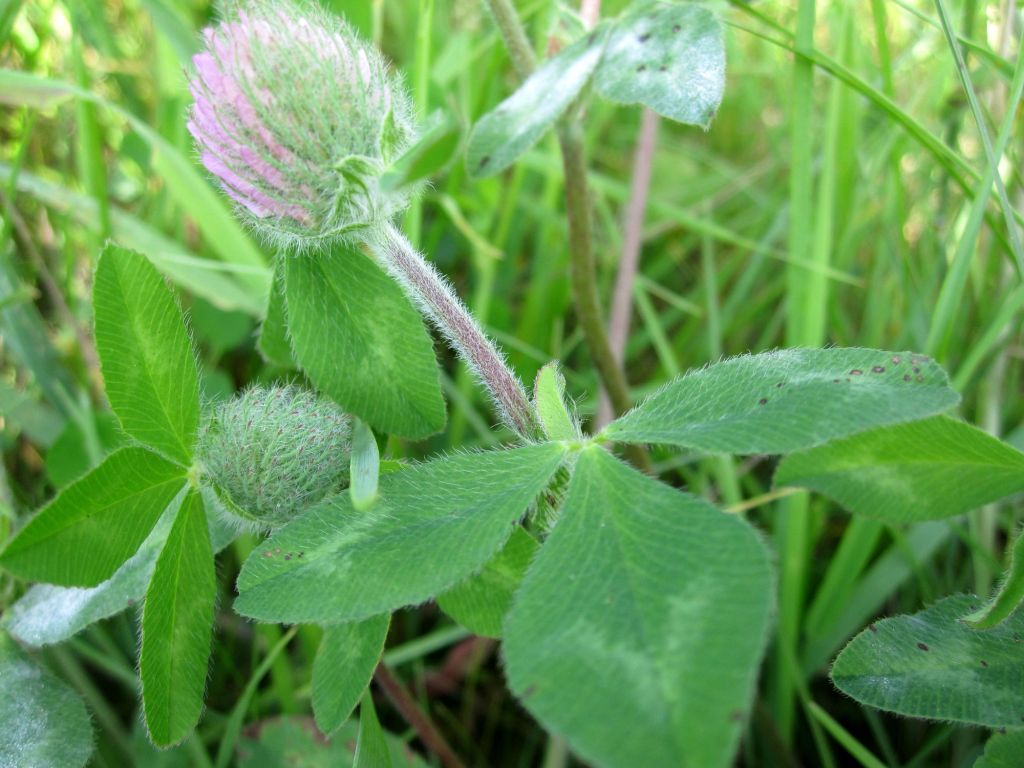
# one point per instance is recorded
(632, 615)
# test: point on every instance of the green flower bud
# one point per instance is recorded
(271, 453)
(298, 118)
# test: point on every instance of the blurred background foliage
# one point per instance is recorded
(827, 205)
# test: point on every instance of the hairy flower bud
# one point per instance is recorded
(274, 452)
(297, 118)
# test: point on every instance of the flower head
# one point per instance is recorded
(297, 118)
(274, 452)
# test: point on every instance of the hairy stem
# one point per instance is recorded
(582, 268)
(582, 272)
(581, 245)
(438, 301)
(512, 32)
(416, 717)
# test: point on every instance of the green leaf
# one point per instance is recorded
(48, 614)
(146, 755)
(924, 470)
(481, 601)
(549, 399)
(439, 139)
(782, 401)
(294, 742)
(96, 523)
(933, 665)
(518, 123)
(371, 748)
(1010, 594)
(433, 525)
(1003, 750)
(273, 342)
(44, 722)
(148, 363)
(344, 666)
(639, 628)
(669, 57)
(364, 466)
(177, 622)
(362, 343)
(391, 138)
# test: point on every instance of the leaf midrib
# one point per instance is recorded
(550, 466)
(180, 555)
(80, 519)
(649, 647)
(404, 531)
(133, 323)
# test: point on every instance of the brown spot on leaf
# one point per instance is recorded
(873, 628)
(878, 369)
(895, 359)
(856, 372)
(763, 401)
(984, 663)
(923, 646)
